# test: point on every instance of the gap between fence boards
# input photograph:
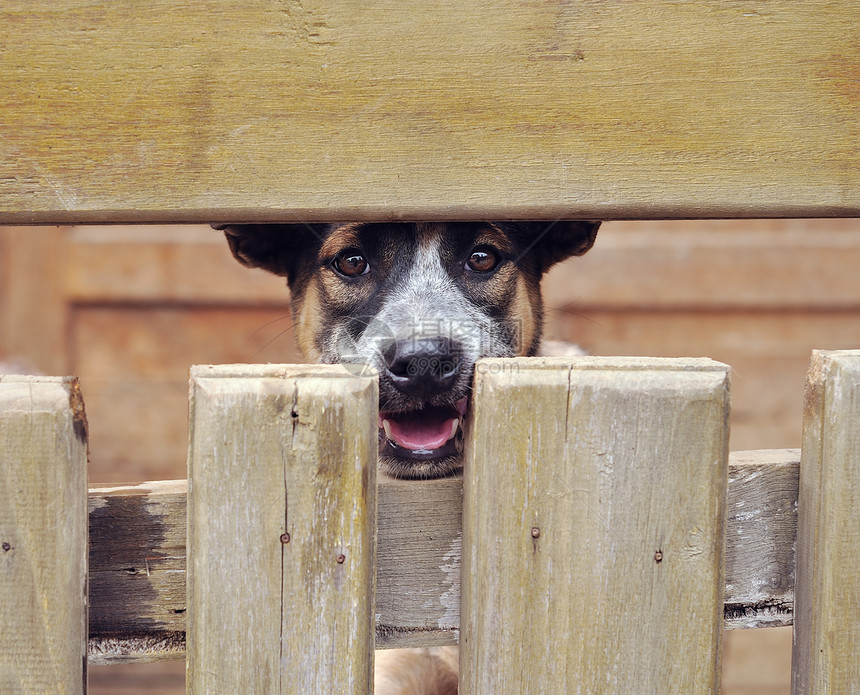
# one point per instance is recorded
(137, 559)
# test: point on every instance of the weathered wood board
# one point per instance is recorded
(778, 266)
(137, 584)
(825, 659)
(137, 571)
(281, 529)
(43, 536)
(593, 518)
(761, 523)
(269, 111)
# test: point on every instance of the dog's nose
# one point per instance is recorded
(423, 367)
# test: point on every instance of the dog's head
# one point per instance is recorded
(419, 302)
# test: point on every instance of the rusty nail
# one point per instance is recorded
(285, 538)
(535, 532)
(340, 559)
(658, 556)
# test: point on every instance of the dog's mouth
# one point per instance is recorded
(426, 433)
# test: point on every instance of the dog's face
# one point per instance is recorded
(419, 302)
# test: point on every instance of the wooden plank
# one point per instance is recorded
(43, 536)
(261, 111)
(667, 265)
(281, 529)
(827, 624)
(769, 353)
(761, 523)
(137, 596)
(771, 265)
(137, 572)
(136, 359)
(418, 567)
(160, 264)
(594, 497)
(32, 283)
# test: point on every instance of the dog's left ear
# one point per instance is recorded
(556, 241)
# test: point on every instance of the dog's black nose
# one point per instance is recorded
(423, 367)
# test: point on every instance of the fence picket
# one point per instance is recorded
(281, 530)
(593, 526)
(572, 581)
(827, 592)
(43, 536)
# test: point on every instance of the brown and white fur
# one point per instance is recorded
(420, 303)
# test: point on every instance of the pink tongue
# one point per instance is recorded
(420, 430)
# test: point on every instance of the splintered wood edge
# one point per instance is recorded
(760, 537)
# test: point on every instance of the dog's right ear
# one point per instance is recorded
(277, 248)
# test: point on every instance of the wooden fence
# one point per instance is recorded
(600, 541)
(613, 565)
(270, 110)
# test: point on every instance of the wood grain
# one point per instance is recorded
(827, 624)
(137, 595)
(713, 265)
(281, 529)
(43, 536)
(32, 264)
(178, 264)
(761, 520)
(264, 111)
(593, 520)
(137, 572)
(774, 265)
(418, 562)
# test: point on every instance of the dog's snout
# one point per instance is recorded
(423, 367)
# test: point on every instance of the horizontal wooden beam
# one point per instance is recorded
(666, 265)
(137, 559)
(137, 571)
(772, 265)
(269, 111)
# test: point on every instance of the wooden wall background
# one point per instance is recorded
(129, 309)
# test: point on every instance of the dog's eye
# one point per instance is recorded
(483, 259)
(351, 263)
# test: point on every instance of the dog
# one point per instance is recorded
(420, 303)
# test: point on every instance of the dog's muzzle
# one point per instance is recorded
(423, 369)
